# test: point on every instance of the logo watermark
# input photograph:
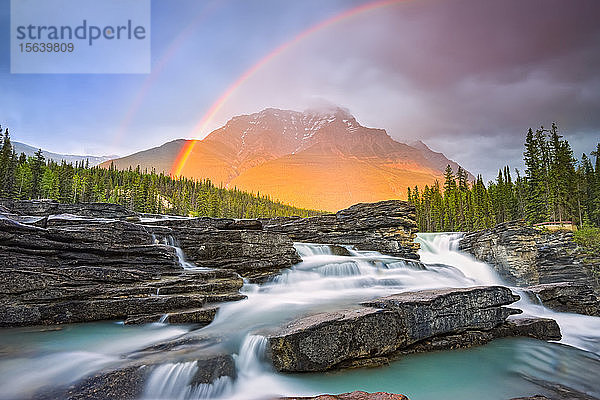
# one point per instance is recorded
(80, 36)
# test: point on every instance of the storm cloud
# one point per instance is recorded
(467, 77)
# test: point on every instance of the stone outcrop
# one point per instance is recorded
(567, 297)
(357, 395)
(129, 381)
(64, 263)
(238, 245)
(387, 226)
(96, 271)
(526, 256)
(389, 326)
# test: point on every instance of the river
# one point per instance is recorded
(32, 359)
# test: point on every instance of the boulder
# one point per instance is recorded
(387, 226)
(384, 326)
(567, 297)
(533, 327)
(252, 253)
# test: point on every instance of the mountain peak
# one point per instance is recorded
(319, 158)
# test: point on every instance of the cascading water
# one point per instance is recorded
(172, 242)
(324, 281)
(579, 331)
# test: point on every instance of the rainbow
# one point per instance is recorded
(187, 149)
(160, 65)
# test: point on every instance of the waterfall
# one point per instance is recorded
(170, 381)
(183, 263)
(174, 382)
(251, 361)
(322, 282)
(164, 319)
(579, 331)
(309, 249)
(442, 248)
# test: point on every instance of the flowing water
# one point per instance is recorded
(502, 369)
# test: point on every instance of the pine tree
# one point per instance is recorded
(535, 204)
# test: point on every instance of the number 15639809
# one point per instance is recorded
(46, 47)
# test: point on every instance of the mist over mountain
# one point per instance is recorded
(323, 159)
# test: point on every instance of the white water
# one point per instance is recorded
(32, 359)
(579, 331)
(183, 262)
(327, 282)
(321, 282)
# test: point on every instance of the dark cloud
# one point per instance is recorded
(467, 76)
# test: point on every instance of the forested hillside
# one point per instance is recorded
(554, 187)
(23, 177)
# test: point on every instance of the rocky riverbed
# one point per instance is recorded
(360, 299)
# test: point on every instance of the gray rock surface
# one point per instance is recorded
(51, 207)
(238, 245)
(129, 381)
(384, 326)
(88, 269)
(387, 226)
(567, 297)
(525, 256)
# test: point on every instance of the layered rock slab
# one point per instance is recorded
(130, 380)
(239, 245)
(526, 256)
(567, 297)
(87, 269)
(388, 227)
(384, 326)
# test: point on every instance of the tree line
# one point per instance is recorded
(26, 178)
(555, 187)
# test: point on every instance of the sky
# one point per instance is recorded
(467, 77)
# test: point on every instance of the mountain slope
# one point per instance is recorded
(70, 158)
(314, 159)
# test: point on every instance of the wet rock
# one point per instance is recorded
(515, 326)
(129, 381)
(239, 245)
(525, 256)
(358, 395)
(212, 368)
(383, 326)
(252, 254)
(202, 316)
(567, 297)
(97, 270)
(127, 384)
(387, 226)
(533, 327)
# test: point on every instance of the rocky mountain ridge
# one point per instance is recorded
(314, 159)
